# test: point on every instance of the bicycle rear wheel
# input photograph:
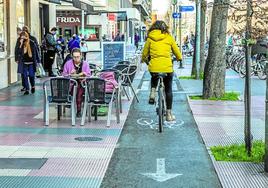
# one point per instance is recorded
(160, 110)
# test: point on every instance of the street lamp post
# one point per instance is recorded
(174, 20)
(83, 23)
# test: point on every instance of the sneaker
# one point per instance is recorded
(26, 93)
(33, 90)
(170, 116)
(23, 89)
(152, 96)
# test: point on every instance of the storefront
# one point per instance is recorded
(68, 23)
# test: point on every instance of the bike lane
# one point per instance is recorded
(146, 158)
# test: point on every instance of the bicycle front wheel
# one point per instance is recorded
(160, 110)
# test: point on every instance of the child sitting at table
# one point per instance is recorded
(75, 67)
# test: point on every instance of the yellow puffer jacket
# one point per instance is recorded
(159, 47)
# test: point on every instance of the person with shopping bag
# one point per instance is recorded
(28, 60)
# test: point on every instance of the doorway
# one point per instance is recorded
(44, 19)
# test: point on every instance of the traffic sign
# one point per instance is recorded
(186, 8)
(176, 15)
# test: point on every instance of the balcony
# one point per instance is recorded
(144, 6)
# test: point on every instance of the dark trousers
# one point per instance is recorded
(168, 87)
(28, 72)
(79, 97)
(49, 60)
(84, 55)
(22, 80)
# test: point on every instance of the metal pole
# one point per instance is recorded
(247, 81)
(174, 21)
(180, 43)
(197, 42)
(266, 120)
(83, 23)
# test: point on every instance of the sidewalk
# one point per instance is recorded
(58, 156)
(222, 123)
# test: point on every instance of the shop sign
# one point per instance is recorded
(112, 53)
(122, 16)
(111, 17)
(64, 19)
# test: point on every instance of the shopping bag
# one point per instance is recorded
(40, 72)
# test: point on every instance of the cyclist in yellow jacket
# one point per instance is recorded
(157, 54)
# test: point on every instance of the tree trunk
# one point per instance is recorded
(214, 73)
(203, 35)
(194, 70)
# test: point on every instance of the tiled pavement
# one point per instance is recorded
(70, 163)
(222, 123)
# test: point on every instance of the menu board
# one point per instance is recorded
(112, 53)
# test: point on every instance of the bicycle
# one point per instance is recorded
(161, 102)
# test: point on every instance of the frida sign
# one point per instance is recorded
(68, 20)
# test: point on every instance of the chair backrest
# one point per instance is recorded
(60, 90)
(92, 66)
(123, 63)
(132, 72)
(96, 90)
(123, 69)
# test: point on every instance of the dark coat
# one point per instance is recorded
(19, 54)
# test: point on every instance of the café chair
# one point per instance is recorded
(60, 91)
(96, 95)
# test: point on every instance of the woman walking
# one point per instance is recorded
(27, 61)
(157, 53)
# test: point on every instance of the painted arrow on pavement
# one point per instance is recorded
(160, 174)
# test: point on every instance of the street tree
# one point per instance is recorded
(249, 19)
(214, 72)
(203, 35)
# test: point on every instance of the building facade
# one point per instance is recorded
(37, 14)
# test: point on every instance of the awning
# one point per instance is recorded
(54, 1)
(82, 5)
(132, 13)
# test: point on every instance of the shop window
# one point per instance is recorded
(91, 33)
(20, 13)
(2, 36)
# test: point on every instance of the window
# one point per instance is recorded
(92, 33)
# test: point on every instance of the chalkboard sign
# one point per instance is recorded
(112, 53)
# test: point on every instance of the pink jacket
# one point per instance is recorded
(69, 67)
(109, 85)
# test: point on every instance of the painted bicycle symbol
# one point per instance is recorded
(147, 122)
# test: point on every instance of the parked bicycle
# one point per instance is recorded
(257, 67)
